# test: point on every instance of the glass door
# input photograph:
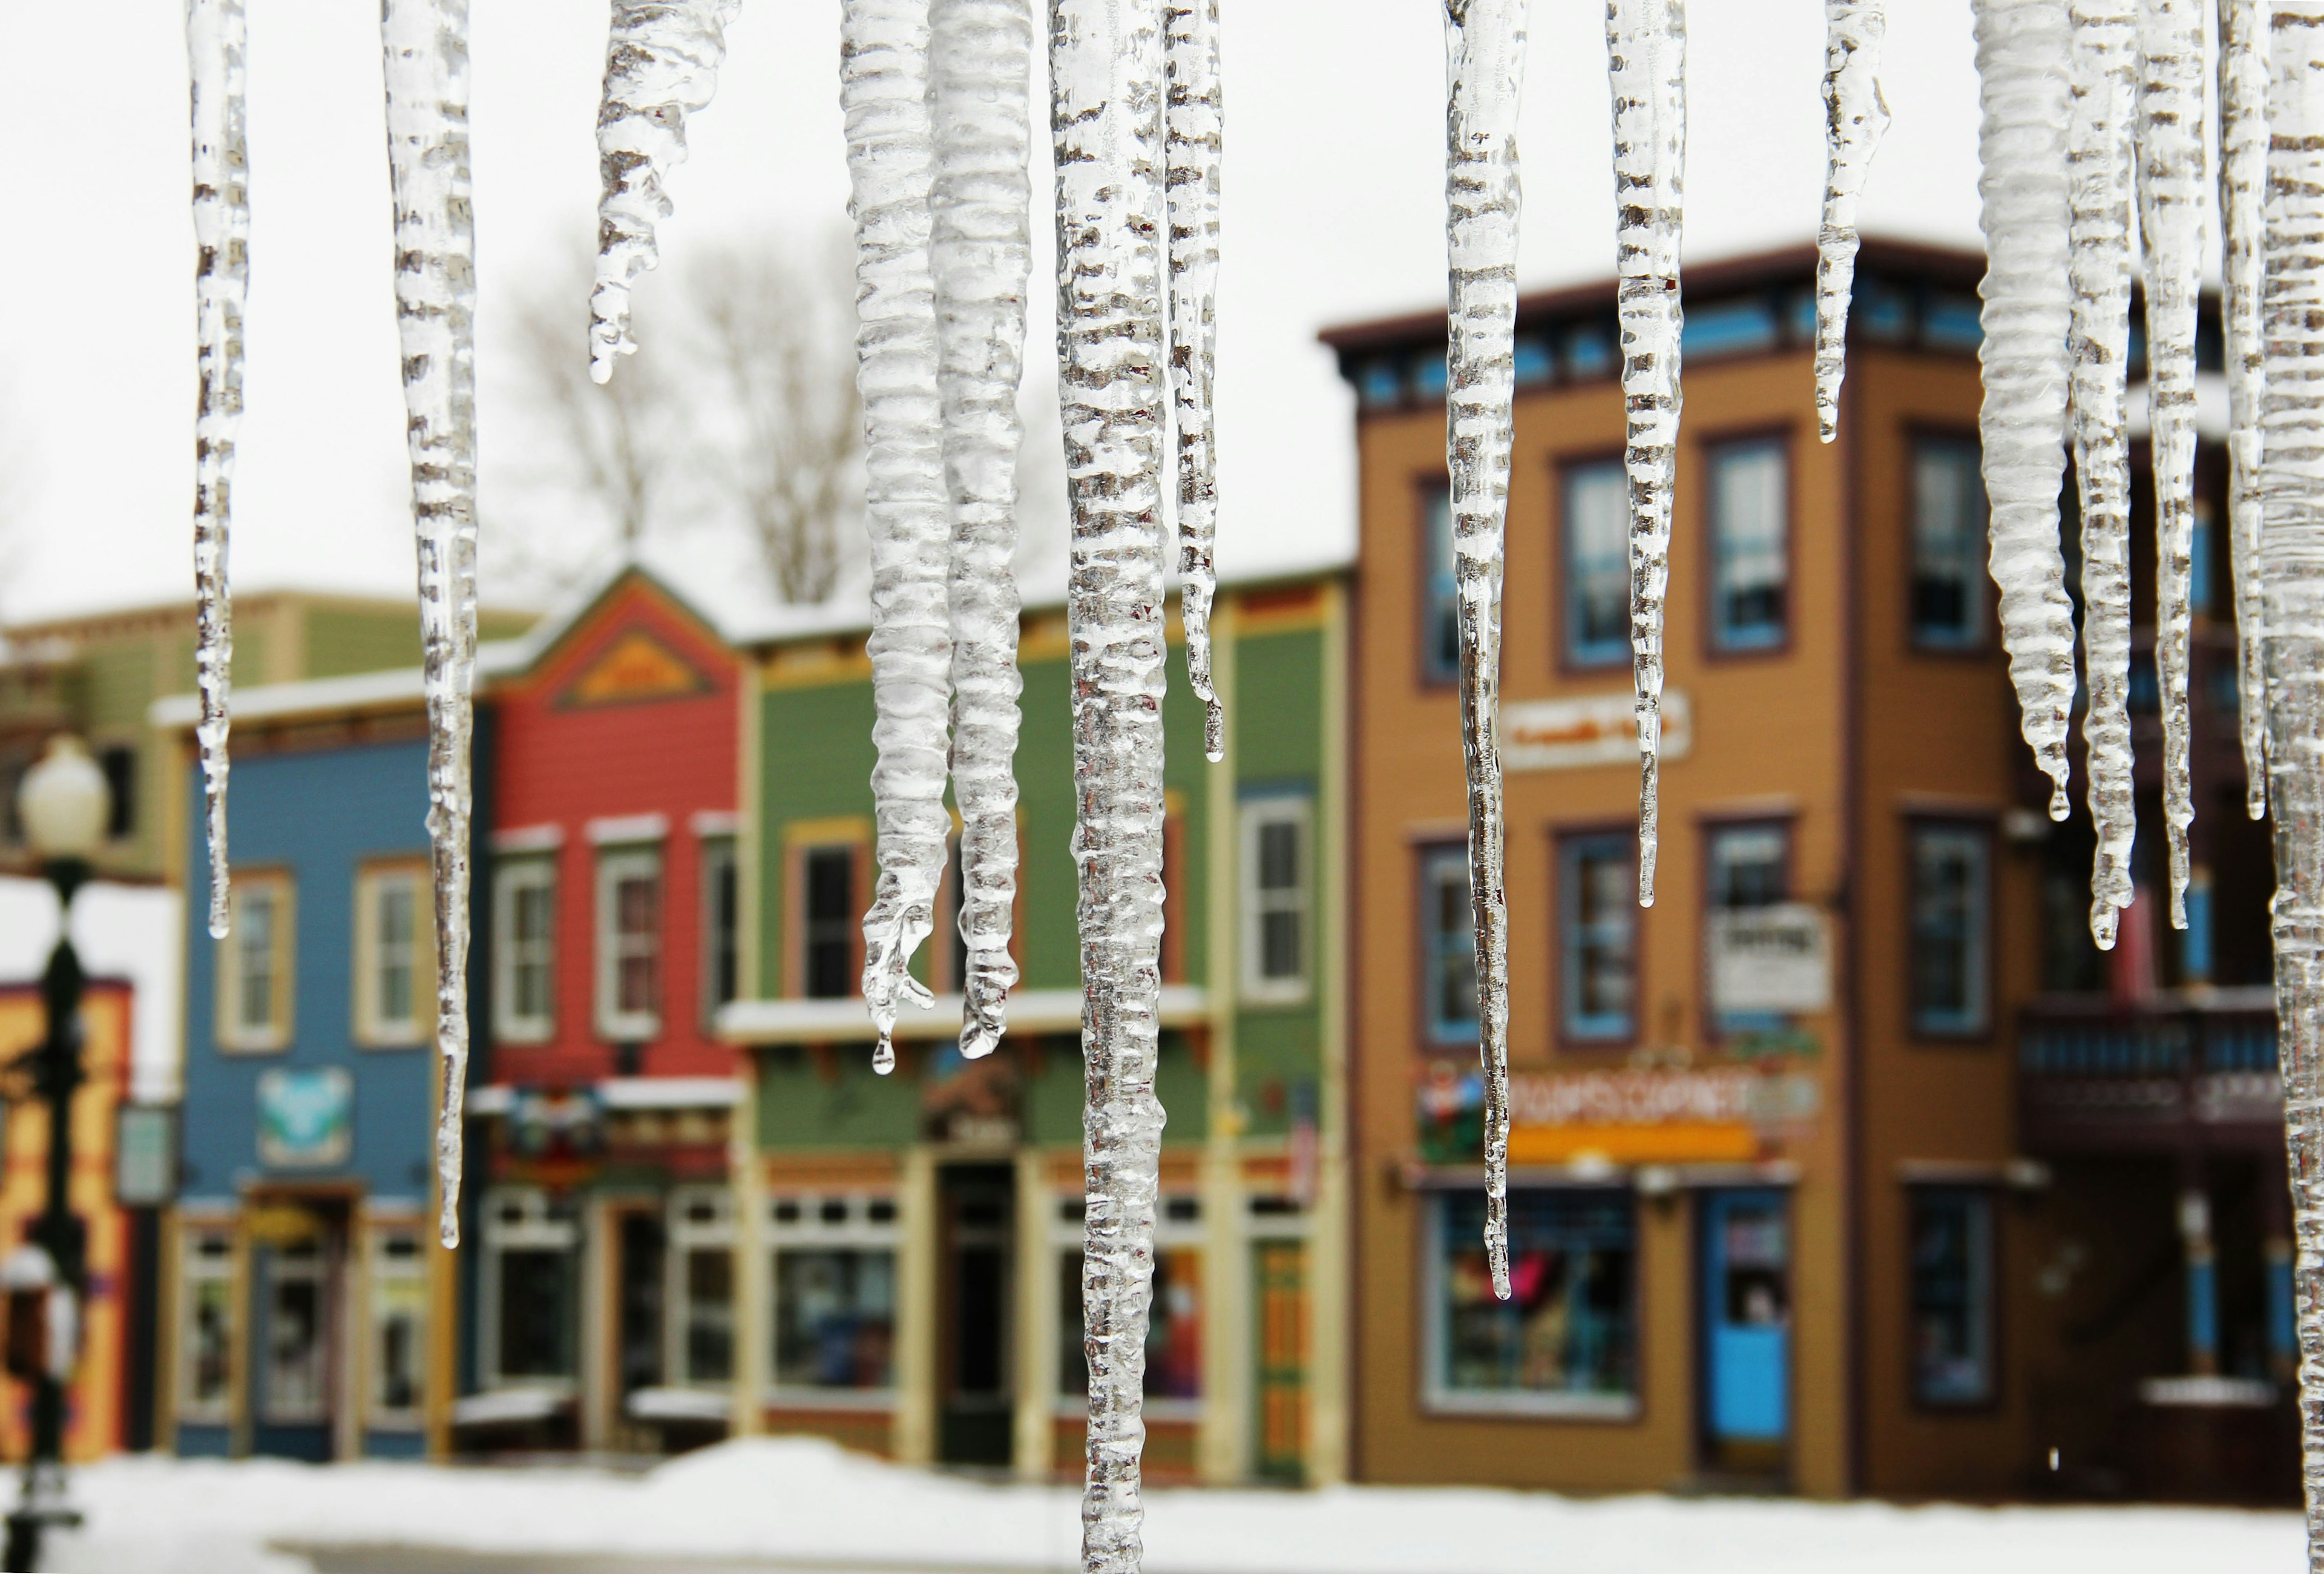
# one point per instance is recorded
(1746, 1331)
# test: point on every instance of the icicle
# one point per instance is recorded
(2023, 54)
(890, 157)
(2171, 178)
(2291, 565)
(1106, 81)
(981, 56)
(215, 32)
(2243, 172)
(1193, 120)
(2105, 89)
(1646, 47)
(661, 65)
(426, 45)
(1855, 117)
(1484, 72)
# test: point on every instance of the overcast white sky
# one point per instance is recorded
(1333, 212)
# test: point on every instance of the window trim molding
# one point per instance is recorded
(859, 1232)
(539, 1230)
(1985, 1030)
(508, 874)
(228, 1035)
(801, 842)
(1561, 540)
(1984, 617)
(1425, 852)
(366, 1026)
(1783, 436)
(1560, 986)
(1426, 490)
(1253, 812)
(611, 1025)
(1709, 826)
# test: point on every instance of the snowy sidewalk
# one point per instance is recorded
(806, 1504)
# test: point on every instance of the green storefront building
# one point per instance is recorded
(911, 1243)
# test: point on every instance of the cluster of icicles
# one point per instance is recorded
(2093, 116)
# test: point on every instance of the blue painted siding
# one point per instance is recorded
(318, 816)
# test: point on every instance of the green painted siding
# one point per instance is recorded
(342, 640)
(817, 764)
(833, 1101)
(116, 686)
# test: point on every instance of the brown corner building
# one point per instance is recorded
(1852, 1165)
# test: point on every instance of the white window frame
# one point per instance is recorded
(1067, 1234)
(234, 1034)
(1256, 814)
(696, 1219)
(513, 876)
(517, 1219)
(387, 1272)
(614, 865)
(313, 1265)
(371, 956)
(811, 1231)
(196, 1268)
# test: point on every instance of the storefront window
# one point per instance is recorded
(1174, 1323)
(208, 1331)
(834, 1294)
(702, 1240)
(296, 1324)
(530, 1286)
(399, 1321)
(1952, 1297)
(1566, 1339)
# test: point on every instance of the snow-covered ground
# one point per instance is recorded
(804, 1503)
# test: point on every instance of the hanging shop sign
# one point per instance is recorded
(1717, 1115)
(1600, 729)
(145, 1155)
(1775, 958)
(977, 1102)
(306, 1119)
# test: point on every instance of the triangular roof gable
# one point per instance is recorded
(634, 639)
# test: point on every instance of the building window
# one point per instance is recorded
(205, 1340)
(1952, 1297)
(1748, 866)
(529, 1290)
(119, 764)
(1597, 930)
(1749, 503)
(393, 974)
(1174, 1322)
(254, 963)
(295, 1342)
(722, 924)
(1948, 544)
(1276, 879)
(1596, 499)
(830, 923)
(1566, 1339)
(524, 950)
(834, 1295)
(398, 1327)
(1448, 948)
(1440, 613)
(629, 944)
(701, 1267)
(1951, 898)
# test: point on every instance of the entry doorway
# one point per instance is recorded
(976, 1205)
(638, 1323)
(299, 1376)
(1745, 1239)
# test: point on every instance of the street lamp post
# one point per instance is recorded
(63, 803)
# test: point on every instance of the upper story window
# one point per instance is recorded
(1448, 952)
(722, 924)
(1749, 866)
(393, 974)
(524, 950)
(1277, 878)
(830, 917)
(254, 963)
(1595, 500)
(1951, 926)
(628, 943)
(1440, 612)
(1748, 492)
(1598, 932)
(1948, 544)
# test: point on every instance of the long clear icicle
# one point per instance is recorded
(1484, 70)
(2023, 62)
(2243, 174)
(661, 64)
(2291, 574)
(2098, 151)
(1645, 46)
(1106, 112)
(426, 46)
(1193, 122)
(980, 71)
(1855, 117)
(891, 163)
(2170, 181)
(216, 34)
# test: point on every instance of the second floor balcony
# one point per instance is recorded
(2187, 1072)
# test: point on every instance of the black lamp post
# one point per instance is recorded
(63, 803)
